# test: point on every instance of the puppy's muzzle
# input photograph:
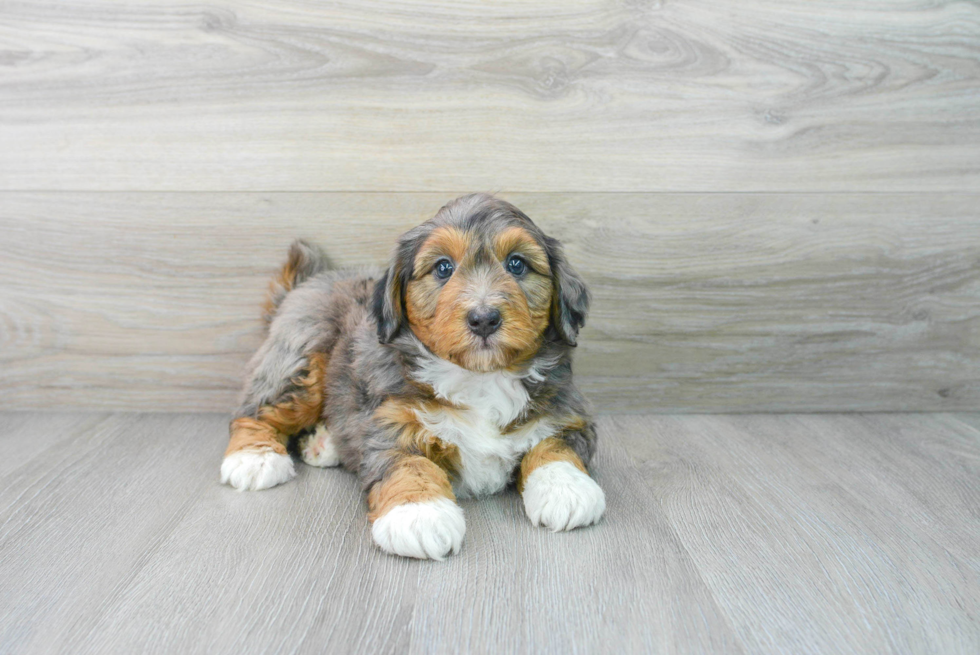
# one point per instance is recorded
(483, 321)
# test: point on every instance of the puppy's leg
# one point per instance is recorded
(557, 490)
(256, 457)
(414, 511)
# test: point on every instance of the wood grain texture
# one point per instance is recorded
(971, 419)
(294, 570)
(795, 521)
(589, 95)
(717, 302)
(79, 519)
(26, 435)
(743, 534)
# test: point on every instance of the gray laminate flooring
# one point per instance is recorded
(751, 533)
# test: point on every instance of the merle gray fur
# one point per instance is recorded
(357, 317)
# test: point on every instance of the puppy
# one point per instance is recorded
(447, 375)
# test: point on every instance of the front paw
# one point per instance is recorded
(559, 496)
(251, 470)
(430, 529)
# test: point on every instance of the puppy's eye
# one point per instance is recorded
(443, 269)
(516, 266)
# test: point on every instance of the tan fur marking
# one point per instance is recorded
(421, 300)
(436, 318)
(517, 240)
(437, 314)
(275, 423)
(414, 437)
(412, 479)
(302, 408)
(249, 434)
(286, 279)
(573, 424)
(437, 310)
(526, 316)
(447, 241)
(552, 449)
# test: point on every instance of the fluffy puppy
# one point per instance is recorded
(447, 375)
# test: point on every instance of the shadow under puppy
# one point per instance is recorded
(447, 375)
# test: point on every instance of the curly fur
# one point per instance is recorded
(387, 365)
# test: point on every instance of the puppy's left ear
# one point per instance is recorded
(571, 298)
(389, 292)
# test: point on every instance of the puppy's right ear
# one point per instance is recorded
(389, 292)
(388, 308)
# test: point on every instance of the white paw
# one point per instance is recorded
(559, 496)
(428, 530)
(251, 470)
(318, 449)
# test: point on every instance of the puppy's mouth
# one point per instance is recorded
(488, 351)
(482, 353)
(486, 343)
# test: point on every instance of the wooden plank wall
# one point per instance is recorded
(777, 203)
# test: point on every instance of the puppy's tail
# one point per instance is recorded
(304, 261)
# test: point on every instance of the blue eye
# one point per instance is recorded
(516, 266)
(444, 269)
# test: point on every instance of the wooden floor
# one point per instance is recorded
(754, 533)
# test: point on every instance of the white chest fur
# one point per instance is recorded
(486, 403)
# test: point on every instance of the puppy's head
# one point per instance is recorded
(481, 286)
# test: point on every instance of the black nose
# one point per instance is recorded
(483, 321)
